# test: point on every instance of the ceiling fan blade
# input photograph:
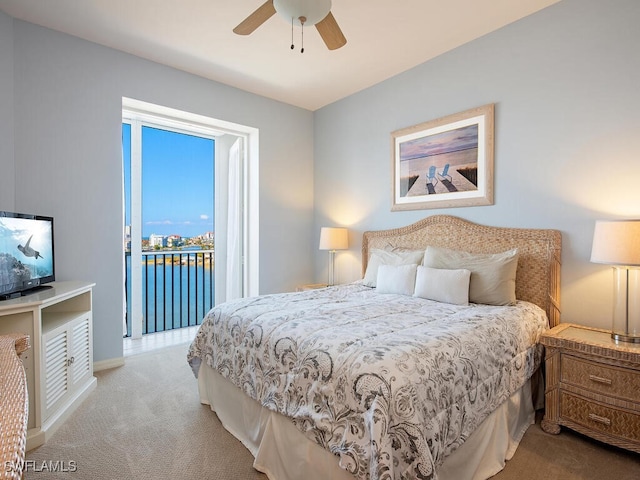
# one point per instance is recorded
(257, 18)
(330, 32)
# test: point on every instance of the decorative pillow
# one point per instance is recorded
(493, 276)
(441, 285)
(400, 279)
(387, 257)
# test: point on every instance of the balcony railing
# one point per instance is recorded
(177, 289)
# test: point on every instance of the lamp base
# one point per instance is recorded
(332, 262)
(626, 305)
(620, 337)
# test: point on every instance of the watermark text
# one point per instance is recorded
(37, 466)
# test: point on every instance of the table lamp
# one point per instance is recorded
(333, 239)
(617, 243)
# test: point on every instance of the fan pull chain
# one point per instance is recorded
(302, 20)
(292, 46)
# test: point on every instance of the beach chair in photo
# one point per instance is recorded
(445, 173)
(431, 176)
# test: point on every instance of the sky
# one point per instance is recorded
(177, 182)
(448, 141)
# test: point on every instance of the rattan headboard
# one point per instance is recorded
(538, 274)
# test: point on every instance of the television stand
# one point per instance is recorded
(59, 366)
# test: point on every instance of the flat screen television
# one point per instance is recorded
(26, 253)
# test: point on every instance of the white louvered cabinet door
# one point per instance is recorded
(81, 361)
(56, 355)
(67, 362)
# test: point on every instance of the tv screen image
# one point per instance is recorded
(26, 252)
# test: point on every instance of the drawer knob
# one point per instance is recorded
(606, 381)
(599, 419)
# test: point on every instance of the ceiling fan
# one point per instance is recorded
(298, 12)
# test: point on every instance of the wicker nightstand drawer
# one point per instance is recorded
(604, 379)
(592, 385)
(600, 418)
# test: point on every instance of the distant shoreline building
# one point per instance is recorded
(157, 241)
(175, 241)
(127, 238)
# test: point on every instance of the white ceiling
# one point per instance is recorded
(384, 38)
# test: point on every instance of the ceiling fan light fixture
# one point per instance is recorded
(297, 12)
(313, 11)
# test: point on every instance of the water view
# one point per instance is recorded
(177, 288)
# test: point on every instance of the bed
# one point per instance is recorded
(384, 382)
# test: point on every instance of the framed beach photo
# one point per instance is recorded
(447, 162)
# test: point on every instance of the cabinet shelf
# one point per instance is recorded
(54, 321)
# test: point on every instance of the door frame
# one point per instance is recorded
(185, 122)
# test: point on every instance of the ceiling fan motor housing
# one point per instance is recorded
(312, 10)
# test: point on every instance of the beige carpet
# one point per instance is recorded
(144, 421)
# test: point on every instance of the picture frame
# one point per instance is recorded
(446, 162)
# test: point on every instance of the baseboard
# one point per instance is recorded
(108, 364)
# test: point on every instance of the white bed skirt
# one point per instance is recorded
(282, 452)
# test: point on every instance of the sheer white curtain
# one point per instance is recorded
(234, 222)
(124, 257)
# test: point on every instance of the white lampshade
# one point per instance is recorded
(333, 238)
(312, 10)
(616, 242)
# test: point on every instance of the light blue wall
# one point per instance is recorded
(6, 113)
(564, 82)
(567, 151)
(68, 95)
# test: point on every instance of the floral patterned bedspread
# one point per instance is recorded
(391, 384)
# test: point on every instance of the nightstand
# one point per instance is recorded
(312, 286)
(592, 385)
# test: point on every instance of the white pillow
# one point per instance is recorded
(399, 279)
(493, 276)
(447, 286)
(387, 257)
